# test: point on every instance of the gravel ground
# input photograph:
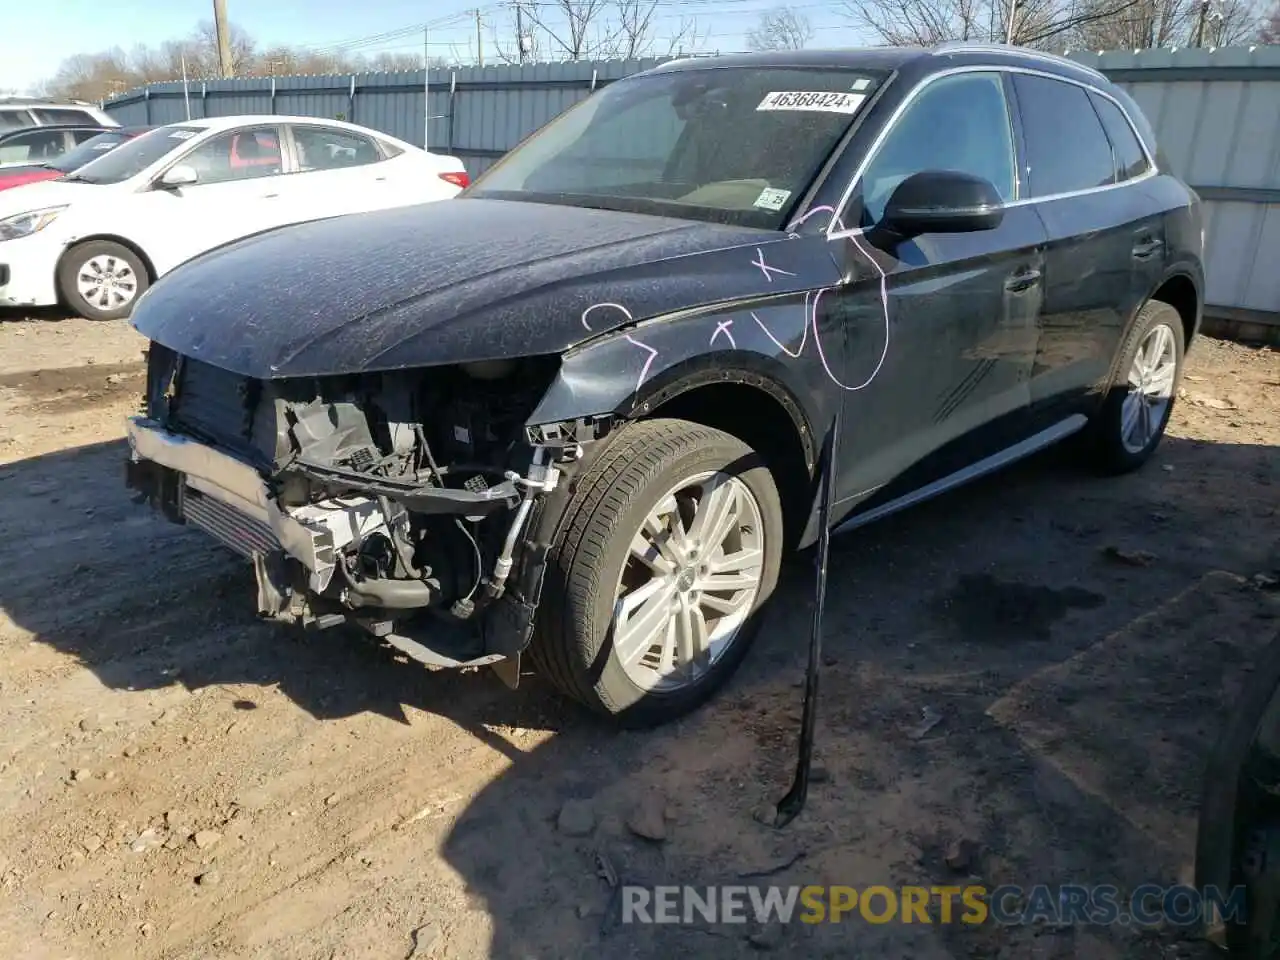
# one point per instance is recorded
(1022, 681)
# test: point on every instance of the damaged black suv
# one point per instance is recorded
(576, 413)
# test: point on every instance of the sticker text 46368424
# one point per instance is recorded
(820, 101)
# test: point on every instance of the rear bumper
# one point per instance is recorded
(27, 272)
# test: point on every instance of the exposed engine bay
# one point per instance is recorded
(400, 501)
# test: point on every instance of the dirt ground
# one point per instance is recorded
(1022, 683)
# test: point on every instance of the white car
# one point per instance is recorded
(95, 239)
(17, 113)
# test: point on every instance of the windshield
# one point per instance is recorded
(130, 159)
(731, 145)
(91, 149)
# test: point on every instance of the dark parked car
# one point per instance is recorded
(92, 144)
(1238, 842)
(577, 412)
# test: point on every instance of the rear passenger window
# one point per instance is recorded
(15, 119)
(62, 115)
(1130, 161)
(1067, 149)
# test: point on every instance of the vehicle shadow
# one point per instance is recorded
(936, 613)
(12, 314)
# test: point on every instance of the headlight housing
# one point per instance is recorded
(25, 224)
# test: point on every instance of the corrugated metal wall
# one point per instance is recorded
(477, 113)
(1217, 115)
(1216, 112)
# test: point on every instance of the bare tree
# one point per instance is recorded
(1094, 24)
(571, 26)
(1165, 23)
(781, 28)
(1270, 29)
(518, 30)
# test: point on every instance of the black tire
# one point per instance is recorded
(76, 259)
(573, 644)
(1104, 439)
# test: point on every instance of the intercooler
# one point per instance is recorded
(244, 534)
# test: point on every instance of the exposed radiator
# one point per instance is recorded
(216, 404)
(244, 534)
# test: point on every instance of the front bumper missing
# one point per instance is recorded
(233, 502)
(218, 491)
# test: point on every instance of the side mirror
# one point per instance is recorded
(941, 201)
(179, 175)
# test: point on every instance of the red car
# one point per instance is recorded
(91, 149)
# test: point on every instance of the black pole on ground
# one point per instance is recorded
(789, 807)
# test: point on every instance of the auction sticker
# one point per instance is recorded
(818, 101)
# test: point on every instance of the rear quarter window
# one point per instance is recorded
(1130, 161)
(1067, 149)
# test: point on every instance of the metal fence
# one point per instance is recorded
(1217, 116)
(1216, 112)
(475, 113)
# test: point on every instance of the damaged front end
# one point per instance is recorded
(407, 502)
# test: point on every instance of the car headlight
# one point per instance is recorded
(25, 224)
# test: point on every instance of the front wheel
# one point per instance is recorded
(1129, 426)
(668, 549)
(101, 280)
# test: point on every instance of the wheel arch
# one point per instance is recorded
(128, 244)
(761, 413)
(1180, 291)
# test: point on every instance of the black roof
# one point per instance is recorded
(867, 58)
(54, 126)
(894, 58)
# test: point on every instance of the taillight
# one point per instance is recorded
(457, 179)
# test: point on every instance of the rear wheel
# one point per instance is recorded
(101, 280)
(667, 551)
(1128, 428)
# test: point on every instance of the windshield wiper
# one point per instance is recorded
(74, 178)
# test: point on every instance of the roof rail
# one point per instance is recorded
(982, 46)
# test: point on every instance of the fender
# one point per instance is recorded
(631, 372)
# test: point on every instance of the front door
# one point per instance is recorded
(242, 189)
(939, 330)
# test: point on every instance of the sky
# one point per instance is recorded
(38, 34)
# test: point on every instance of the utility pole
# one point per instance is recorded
(223, 32)
(1204, 11)
(520, 30)
(1013, 15)
(426, 87)
(479, 41)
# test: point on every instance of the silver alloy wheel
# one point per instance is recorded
(106, 282)
(690, 581)
(1150, 388)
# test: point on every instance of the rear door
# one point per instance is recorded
(1131, 162)
(941, 329)
(1095, 228)
(340, 172)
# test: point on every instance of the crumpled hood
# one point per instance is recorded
(446, 282)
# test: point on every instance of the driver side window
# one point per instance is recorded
(957, 123)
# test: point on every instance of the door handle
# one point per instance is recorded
(270, 196)
(1146, 248)
(1022, 280)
